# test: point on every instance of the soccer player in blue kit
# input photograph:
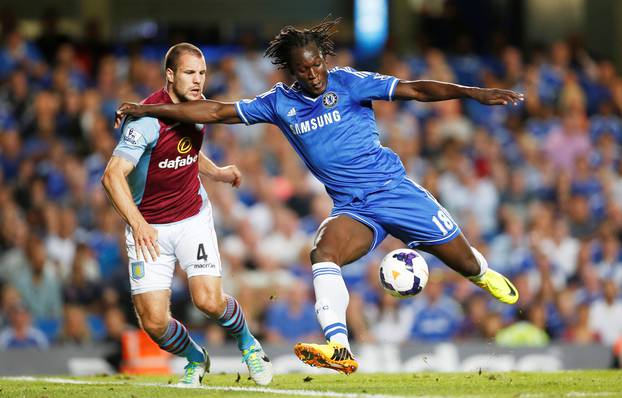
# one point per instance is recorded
(327, 117)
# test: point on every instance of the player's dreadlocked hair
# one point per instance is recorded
(280, 47)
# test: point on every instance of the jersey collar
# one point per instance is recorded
(298, 88)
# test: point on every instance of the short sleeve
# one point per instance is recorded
(137, 135)
(367, 86)
(260, 109)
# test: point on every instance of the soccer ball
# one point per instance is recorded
(403, 273)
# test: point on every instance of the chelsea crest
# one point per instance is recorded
(329, 99)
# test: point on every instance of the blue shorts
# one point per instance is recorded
(408, 212)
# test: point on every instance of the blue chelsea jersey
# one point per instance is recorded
(335, 133)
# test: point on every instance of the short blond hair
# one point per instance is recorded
(173, 54)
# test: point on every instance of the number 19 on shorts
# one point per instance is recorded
(443, 221)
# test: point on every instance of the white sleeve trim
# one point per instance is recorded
(242, 116)
(392, 88)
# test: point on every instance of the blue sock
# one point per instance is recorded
(234, 322)
(177, 341)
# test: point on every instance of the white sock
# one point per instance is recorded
(483, 264)
(331, 301)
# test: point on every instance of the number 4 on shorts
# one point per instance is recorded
(201, 255)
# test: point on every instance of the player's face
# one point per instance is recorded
(187, 81)
(309, 67)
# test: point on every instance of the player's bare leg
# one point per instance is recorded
(152, 309)
(466, 260)
(208, 297)
(339, 241)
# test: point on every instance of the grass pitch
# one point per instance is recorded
(594, 383)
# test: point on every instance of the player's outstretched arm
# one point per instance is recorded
(118, 191)
(200, 111)
(431, 90)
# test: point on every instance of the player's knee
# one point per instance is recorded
(211, 304)
(320, 255)
(154, 324)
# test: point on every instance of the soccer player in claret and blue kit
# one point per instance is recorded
(327, 117)
(153, 182)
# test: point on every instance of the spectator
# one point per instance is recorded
(115, 324)
(83, 285)
(609, 267)
(493, 323)
(528, 331)
(292, 318)
(60, 242)
(573, 136)
(105, 243)
(9, 298)
(436, 317)
(14, 237)
(75, 330)
(392, 321)
(284, 244)
(517, 197)
(476, 311)
(583, 224)
(509, 250)
(466, 194)
(561, 249)
(38, 283)
(20, 333)
(579, 331)
(606, 314)
(18, 52)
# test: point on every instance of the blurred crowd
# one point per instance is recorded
(537, 188)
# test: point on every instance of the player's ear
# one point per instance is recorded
(170, 75)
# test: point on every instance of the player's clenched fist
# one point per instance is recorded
(229, 175)
(127, 109)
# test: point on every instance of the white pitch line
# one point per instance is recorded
(572, 394)
(307, 393)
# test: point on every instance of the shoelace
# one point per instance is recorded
(252, 359)
(189, 374)
(340, 354)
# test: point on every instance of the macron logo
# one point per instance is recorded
(292, 112)
(178, 162)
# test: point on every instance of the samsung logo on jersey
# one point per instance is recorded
(315, 123)
(178, 162)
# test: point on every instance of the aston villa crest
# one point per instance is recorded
(138, 269)
(329, 99)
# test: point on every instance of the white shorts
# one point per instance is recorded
(192, 242)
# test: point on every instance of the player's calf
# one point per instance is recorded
(177, 341)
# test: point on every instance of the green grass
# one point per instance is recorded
(593, 383)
